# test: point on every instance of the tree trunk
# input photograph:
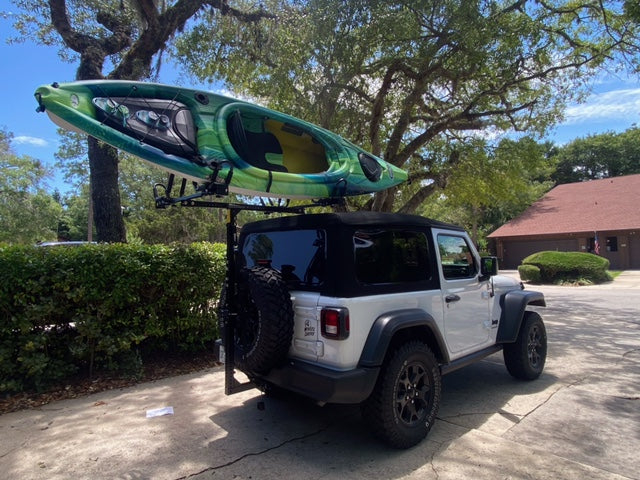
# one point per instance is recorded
(103, 163)
(159, 25)
(475, 214)
(90, 216)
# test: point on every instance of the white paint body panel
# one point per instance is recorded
(467, 325)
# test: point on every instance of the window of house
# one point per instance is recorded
(612, 244)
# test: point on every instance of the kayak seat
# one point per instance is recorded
(261, 144)
(254, 147)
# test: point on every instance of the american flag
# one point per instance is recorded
(596, 245)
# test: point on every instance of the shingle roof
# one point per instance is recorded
(598, 205)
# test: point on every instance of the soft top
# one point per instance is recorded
(320, 220)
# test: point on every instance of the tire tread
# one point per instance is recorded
(377, 410)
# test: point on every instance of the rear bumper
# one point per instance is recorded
(324, 385)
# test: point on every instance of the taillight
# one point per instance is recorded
(334, 323)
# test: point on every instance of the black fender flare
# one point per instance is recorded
(513, 305)
(387, 325)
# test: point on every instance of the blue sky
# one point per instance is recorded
(613, 106)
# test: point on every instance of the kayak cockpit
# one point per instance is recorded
(276, 146)
(165, 124)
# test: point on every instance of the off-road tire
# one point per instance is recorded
(264, 325)
(525, 358)
(405, 400)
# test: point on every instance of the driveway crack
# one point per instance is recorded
(256, 454)
(433, 467)
(546, 400)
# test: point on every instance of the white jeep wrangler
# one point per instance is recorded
(371, 309)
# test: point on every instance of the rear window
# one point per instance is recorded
(299, 255)
(390, 257)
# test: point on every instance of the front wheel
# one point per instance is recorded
(405, 400)
(525, 358)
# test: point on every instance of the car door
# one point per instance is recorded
(465, 298)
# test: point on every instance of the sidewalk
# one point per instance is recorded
(627, 279)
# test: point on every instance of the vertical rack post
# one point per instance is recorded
(231, 384)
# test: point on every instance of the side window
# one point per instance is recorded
(390, 257)
(299, 255)
(456, 257)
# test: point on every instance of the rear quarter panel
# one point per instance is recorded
(363, 312)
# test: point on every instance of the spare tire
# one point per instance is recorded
(264, 325)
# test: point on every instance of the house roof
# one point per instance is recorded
(597, 205)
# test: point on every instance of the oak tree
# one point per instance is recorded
(414, 81)
(115, 40)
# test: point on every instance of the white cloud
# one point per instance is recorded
(614, 105)
(26, 140)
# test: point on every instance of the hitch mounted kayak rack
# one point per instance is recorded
(225, 347)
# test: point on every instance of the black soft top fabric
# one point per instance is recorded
(340, 227)
(322, 220)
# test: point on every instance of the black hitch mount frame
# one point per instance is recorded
(229, 311)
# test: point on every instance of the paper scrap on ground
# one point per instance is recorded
(159, 412)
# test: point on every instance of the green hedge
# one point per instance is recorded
(65, 309)
(529, 273)
(565, 267)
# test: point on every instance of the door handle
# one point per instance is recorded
(451, 298)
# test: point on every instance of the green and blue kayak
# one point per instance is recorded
(209, 138)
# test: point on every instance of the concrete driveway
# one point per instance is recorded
(580, 420)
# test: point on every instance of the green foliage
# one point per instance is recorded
(27, 212)
(184, 225)
(632, 10)
(150, 225)
(145, 223)
(492, 184)
(414, 81)
(102, 306)
(599, 156)
(569, 267)
(529, 273)
(74, 222)
(72, 158)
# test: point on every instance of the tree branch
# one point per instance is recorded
(74, 40)
(93, 51)
(439, 182)
(136, 63)
(377, 113)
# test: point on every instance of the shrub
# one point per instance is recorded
(569, 267)
(68, 308)
(529, 273)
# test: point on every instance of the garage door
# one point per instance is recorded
(515, 251)
(634, 251)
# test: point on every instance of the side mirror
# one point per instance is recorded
(488, 267)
